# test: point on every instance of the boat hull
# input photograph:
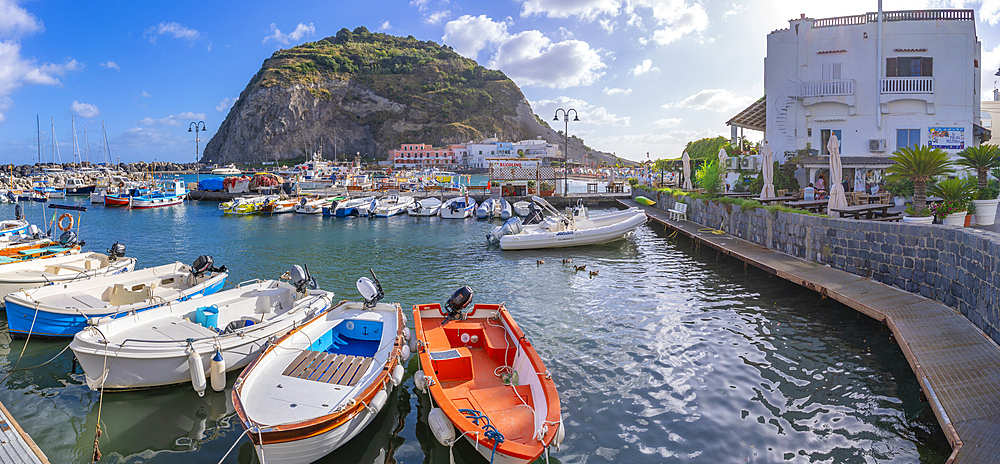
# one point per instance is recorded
(571, 238)
(23, 318)
(80, 191)
(313, 448)
(140, 203)
(116, 200)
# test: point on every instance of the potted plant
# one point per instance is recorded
(531, 187)
(708, 178)
(956, 194)
(918, 164)
(547, 189)
(982, 159)
(901, 189)
(915, 216)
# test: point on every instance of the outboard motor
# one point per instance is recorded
(513, 226)
(301, 278)
(203, 264)
(116, 251)
(534, 215)
(371, 290)
(458, 302)
(302, 202)
(13, 199)
(68, 238)
(18, 212)
(34, 231)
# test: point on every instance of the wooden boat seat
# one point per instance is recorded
(324, 367)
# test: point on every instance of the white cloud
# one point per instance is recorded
(990, 11)
(718, 100)
(734, 10)
(420, 4)
(437, 17)
(16, 21)
(588, 114)
(174, 30)
(111, 65)
(470, 34)
(385, 26)
(15, 70)
(682, 22)
(667, 123)
(175, 120)
(225, 104)
(301, 30)
(617, 91)
(145, 94)
(608, 25)
(585, 9)
(643, 68)
(84, 110)
(146, 137)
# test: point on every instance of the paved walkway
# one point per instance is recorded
(15, 445)
(957, 365)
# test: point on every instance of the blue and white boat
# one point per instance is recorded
(50, 192)
(352, 207)
(12, 227)
(63, 309)
(458, 208)
(172, 192)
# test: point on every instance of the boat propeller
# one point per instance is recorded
(371, 290)
(458, 302)
(301, 278)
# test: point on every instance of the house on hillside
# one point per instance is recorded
(878, 82)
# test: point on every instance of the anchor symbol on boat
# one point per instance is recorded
(365, 332)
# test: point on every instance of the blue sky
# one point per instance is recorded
(645, 75)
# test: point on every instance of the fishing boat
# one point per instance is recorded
(458, 207)
(558, 230)
(50, 192)
(494, 208)
(486, 381)
(277, 205)
(316, 205)
(78, 186)
(352, 207)
(228, 170)
(35, 273)
(35, 245)
(62, 310)
(11, 227)
(426, 207)
(391, 205)
(243, 206)
(521, 208)
(180, 342)
(172, 192)
(320, 384)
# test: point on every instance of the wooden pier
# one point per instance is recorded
(15, 445)
(957, 365)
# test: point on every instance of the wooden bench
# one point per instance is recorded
(678, 212)
(893, 218)
(324, 367)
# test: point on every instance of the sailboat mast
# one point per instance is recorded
(107, 148)
(76, 146)
(86, 143)
(38, 130)
(55, 144)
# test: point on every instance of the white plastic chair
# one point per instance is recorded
(678, 212)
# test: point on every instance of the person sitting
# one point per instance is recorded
(810, 193)
(820, 188)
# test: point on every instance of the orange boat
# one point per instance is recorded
(486, 380)
(43, 248)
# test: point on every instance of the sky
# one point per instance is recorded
(645, 76)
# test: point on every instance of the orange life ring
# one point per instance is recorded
(65, 227)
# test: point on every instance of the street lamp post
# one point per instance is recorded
(193, 127)
(566, 139)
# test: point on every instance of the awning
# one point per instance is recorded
(754, 117)
(869, 162)
(981, 132)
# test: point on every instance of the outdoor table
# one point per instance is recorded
(811, 205)
(775, 199)
(739, 194)
(868, 210)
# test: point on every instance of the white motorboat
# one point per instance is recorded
(315, 205)
(180, 342)
(323, 382)
(64, 309)
(522, 208)
(426, 207)
(391, 205)
(458, 208)
(12, 227)
(558, 230)
(246, 205)
(493, 208)
(228, 170)
(34, 273)
(352, 207)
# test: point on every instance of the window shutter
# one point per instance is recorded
(927, 66)
(836, 71)
(826, 71)
(891, 67)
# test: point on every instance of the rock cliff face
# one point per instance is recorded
(367, 93)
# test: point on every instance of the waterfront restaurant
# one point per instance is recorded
(878, 83)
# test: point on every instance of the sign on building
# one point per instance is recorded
(950, 138)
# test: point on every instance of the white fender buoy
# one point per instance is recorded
(420, 381)
(413, 346)
(197, 371)
(405, 353)
(218, 374)
(441, 427)
(379, 400)
(405, 320)
(560, 434)
(397, 375)
(407, 335)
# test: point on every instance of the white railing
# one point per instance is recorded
(908, 85)
(835, 87)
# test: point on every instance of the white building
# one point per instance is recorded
(913, 80)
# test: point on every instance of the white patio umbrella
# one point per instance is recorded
(686, 160)
(723, 157)
(767, 171)
(837, 197)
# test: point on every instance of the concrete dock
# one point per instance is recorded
(957, 365)
(15, 445)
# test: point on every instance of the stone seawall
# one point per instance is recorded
(959, 267)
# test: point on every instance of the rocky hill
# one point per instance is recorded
(369, 92)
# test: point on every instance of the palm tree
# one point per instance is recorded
(981, 159)
(919, 164)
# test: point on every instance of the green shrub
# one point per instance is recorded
(707, 177)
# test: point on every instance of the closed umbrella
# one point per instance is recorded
(837, 197)
(687, 171)
(767, 172)
(723, 157)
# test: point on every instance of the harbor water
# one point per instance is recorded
(668, 354)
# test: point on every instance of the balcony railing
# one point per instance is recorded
(905, 15)
(908, 85)
(837, 87)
